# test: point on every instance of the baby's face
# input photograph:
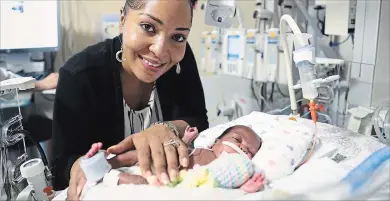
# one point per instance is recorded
(244, 138)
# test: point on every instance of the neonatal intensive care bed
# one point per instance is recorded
(337, 152)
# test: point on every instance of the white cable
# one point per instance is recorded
(294, 27)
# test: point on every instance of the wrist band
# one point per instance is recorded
(170, 125)
(111, 178)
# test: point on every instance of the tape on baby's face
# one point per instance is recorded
(233, 146)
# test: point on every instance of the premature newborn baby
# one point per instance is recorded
(236, 139)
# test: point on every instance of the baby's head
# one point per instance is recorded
(242, 136)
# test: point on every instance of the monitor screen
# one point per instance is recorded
(233, 50)
(29, 25)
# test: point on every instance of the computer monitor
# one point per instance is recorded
(31, 25)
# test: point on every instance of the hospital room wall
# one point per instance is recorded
(80, 24)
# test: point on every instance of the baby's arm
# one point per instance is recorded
(125, 178)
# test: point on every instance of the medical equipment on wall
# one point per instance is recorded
(238, 107)
(110, 26)
(203, 50)
(220, 13)
(233, 52)
(210, 51)
(250, 52)
(271, 54)
(14, 172)
(17, 15)
(263, 22)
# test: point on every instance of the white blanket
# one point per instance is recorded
(145, 192)
(351, 150)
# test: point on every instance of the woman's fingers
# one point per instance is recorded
(126, 159)
(172, 162)
(123, 146)
(183, 154)
(144, 158)
(159, 161)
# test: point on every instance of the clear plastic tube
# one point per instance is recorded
(383, 135)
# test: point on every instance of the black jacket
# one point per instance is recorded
(88, 105)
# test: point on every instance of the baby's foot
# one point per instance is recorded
(190, 134)
(94, 149)
(254, 184)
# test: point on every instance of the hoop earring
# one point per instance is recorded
(178, 69)
(118, 57)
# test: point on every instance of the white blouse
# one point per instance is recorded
(139, 120)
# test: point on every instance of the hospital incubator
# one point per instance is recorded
(21, 178)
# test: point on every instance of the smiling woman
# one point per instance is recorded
(136, 91)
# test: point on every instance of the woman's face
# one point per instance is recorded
(154, 37)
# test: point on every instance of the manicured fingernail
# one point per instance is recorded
(185, 162)
(148, 174)
(152, 180)
(173, 175)
(164, 178)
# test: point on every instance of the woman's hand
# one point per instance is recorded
(49, 82)
(77, 181)
(151, 149)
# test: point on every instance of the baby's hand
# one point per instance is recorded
(94, 149)
(190, 134)
(254, 184)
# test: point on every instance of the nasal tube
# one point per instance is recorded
(304, 61)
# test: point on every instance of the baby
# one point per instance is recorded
(236, 139)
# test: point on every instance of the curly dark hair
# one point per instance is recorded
(138, 4)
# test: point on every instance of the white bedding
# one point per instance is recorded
(351, 148)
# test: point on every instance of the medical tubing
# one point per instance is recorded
(312, 147)
(363, 172)
(386, 126)
(384, 136)
(295, 29)
(37, 145)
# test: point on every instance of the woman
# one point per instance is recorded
(131, 86)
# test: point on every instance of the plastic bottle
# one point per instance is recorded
(304, 60)
(34, 171)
